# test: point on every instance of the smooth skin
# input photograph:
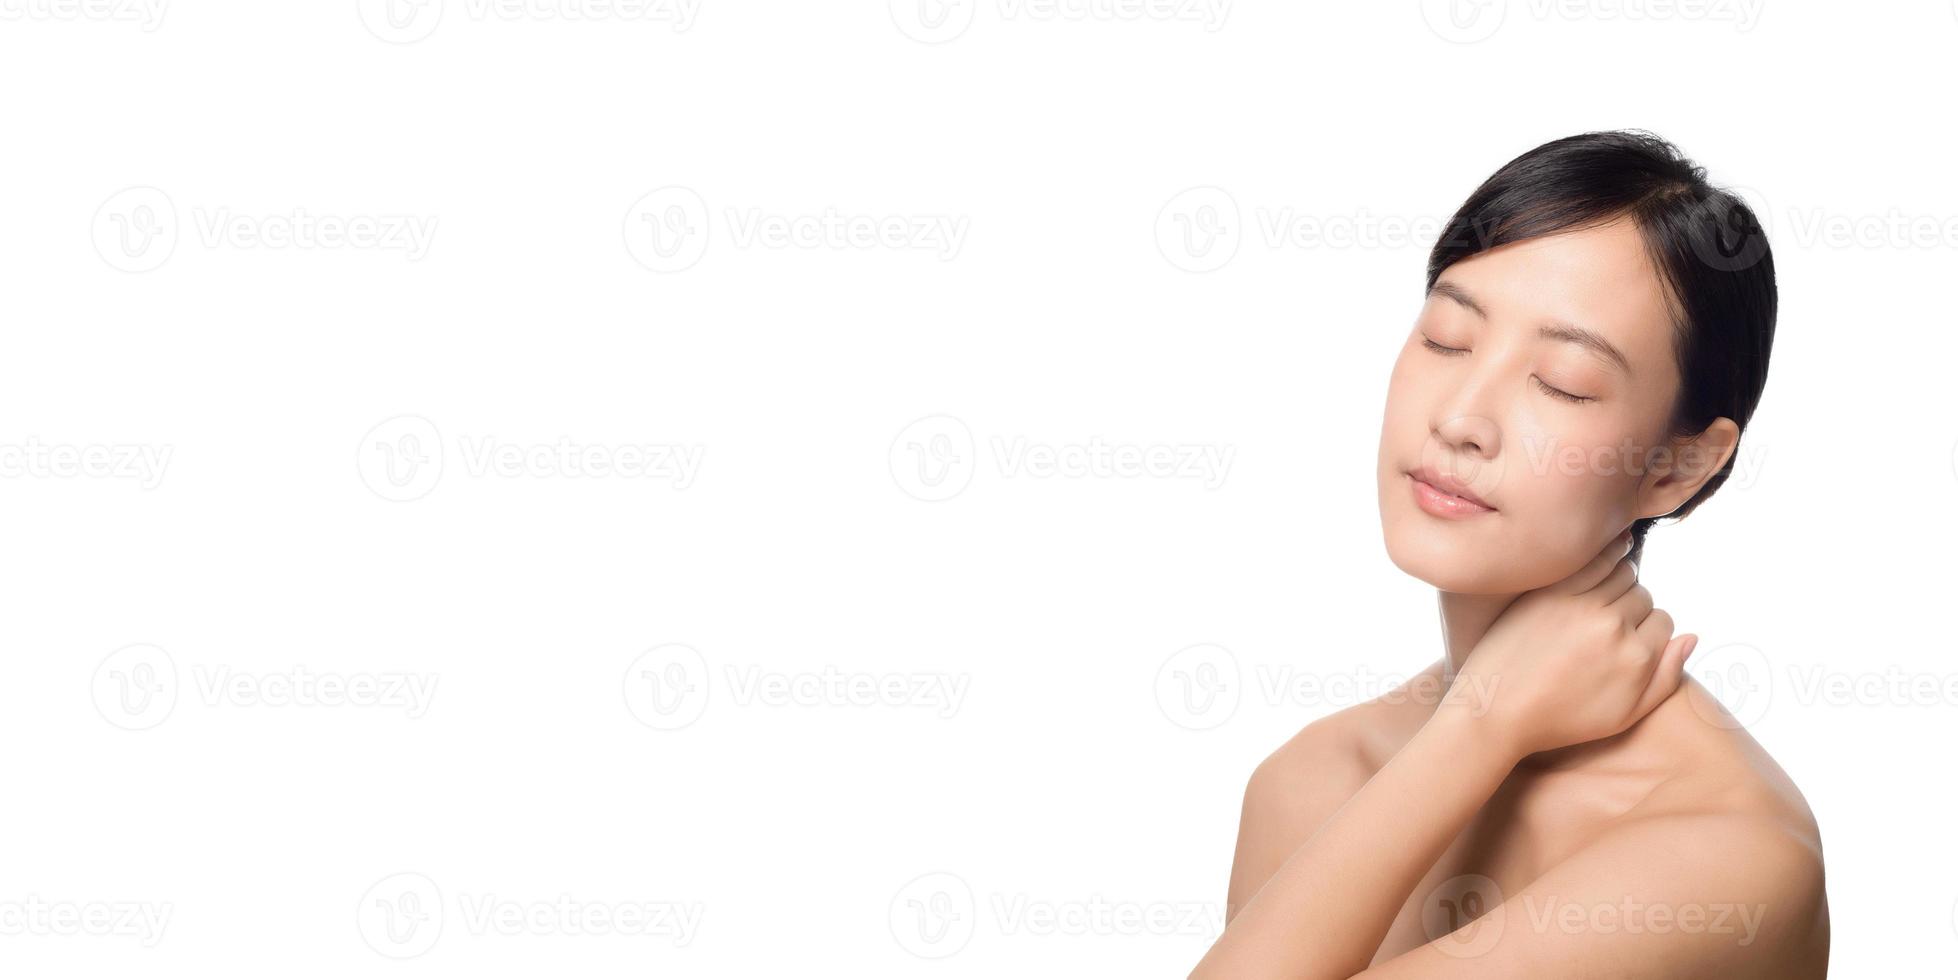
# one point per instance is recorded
(1554, 797)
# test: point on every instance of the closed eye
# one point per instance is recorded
(1540, 383)
(1560, 393)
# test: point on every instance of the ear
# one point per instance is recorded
(1678, 472)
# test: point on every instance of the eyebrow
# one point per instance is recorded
(1561, 330)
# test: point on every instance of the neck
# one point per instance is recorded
(1465, 618)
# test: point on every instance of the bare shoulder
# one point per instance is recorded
(1715, 873)
(1728, 778)
(1292, 793)
(1733, 895)
(1740, 889)
(1730, 838)
(1330, 758)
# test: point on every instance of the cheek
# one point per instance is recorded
(1572, 478)
(1408, 391)
(1400, 406)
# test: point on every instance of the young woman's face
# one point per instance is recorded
(1529, 327)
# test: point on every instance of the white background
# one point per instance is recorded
(158, 618)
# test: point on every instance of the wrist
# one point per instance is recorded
(1476, 733)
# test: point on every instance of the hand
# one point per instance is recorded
(1576, 660)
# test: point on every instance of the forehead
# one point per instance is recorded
(1599, 278)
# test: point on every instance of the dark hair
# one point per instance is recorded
(1709, 247)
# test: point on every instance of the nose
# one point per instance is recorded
(1468, 436)
(1464, 440)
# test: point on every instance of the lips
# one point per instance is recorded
(1449, 485)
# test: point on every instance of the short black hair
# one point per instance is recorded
(1708, 245)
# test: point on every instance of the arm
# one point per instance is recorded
(1326, 910)
(1290, 795)
(1669, 898)
(1580, 660)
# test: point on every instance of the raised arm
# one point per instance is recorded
(1569, 663)
(1326, 910)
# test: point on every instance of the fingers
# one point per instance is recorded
(1623, 576)
(1655, 629)
(1670, 674)
(1633, 605)
(1587, 578)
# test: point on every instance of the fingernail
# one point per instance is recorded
(1690, 645)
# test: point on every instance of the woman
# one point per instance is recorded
(1552, 798)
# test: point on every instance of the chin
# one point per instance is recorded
(1480, 556)
(1456, 565)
